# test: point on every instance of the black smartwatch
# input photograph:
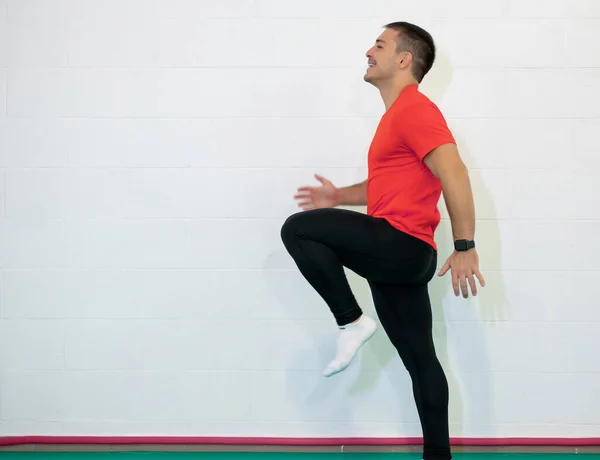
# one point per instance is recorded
(464, 245)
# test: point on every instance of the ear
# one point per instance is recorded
(404, 59)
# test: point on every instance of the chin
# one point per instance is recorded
(369, 79)
(371, 76)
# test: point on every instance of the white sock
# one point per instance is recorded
(352, 337)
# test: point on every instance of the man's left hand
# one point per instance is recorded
(464, 266)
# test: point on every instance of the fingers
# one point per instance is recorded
(306, 191)
(302, 196)
(305, 195)
(480, 278)
(455, 283)
(463, 272)
(461, 284)
(464, 286)
(466, 281)
(473, 286)
(306, 206)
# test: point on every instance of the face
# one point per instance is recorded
(383, 60)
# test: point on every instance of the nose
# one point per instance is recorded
(369, 52)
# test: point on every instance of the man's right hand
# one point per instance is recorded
(323, 196)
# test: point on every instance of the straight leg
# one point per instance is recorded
(405, 314)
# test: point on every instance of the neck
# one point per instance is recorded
(389, 93)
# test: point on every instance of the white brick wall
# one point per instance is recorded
(148, 157)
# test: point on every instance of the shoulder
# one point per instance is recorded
(421, 114)
(414, 105)
(421, 107)
(422, 126)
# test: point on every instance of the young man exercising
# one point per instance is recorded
(412, 160)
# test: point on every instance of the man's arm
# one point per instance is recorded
(353, 195)
(446, 165)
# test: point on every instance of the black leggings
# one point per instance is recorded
(398, 268)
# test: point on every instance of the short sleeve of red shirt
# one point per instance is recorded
(423, 128)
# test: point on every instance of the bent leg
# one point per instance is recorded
(307, 237)
(324, 241)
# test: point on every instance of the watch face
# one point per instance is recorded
(463, 245)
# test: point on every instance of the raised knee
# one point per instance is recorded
(290, 227)
(302, 224)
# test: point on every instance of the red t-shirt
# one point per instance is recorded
(400, 187)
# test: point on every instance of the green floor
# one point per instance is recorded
(277, 456)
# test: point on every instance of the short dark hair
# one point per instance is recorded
(418, 42)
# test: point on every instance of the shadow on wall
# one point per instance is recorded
(471, 361)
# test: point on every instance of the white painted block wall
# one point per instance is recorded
(149, 151)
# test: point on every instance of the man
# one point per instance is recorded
(413, 158)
